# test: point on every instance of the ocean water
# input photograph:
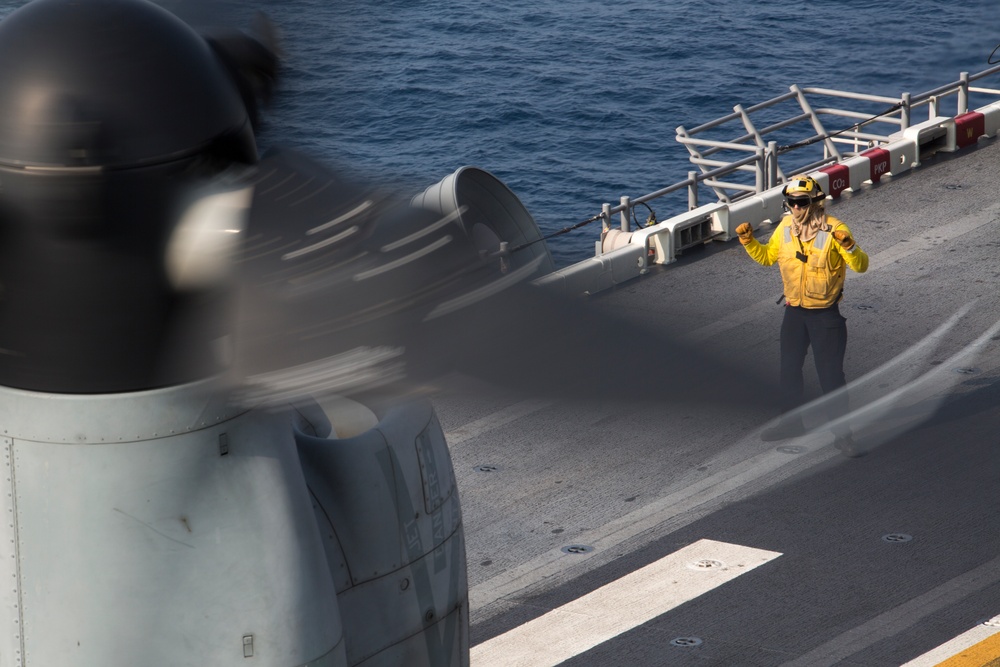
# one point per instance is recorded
(573, 103)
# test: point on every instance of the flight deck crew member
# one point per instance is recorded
(812, 250)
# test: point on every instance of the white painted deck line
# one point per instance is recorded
(902, 617)
(495, 420)
(617, 607)
(960, 643)
(606, 537)
(773, 463)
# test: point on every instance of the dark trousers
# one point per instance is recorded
(826, 330)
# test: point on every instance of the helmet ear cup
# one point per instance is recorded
(819, 195)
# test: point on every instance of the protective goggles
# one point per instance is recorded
(801, 202)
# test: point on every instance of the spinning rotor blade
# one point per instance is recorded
(335, 277)
(345, 288)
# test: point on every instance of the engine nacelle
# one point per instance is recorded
(169, 528)
(387, 505)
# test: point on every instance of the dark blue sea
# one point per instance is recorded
(573, 103)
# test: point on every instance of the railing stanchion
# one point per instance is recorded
(760, 180)
(605, 226)
(963, 93)
(772, 164)
(762, 157)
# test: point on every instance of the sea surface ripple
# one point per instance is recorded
(573, 103)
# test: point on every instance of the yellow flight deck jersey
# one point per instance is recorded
(817, 282)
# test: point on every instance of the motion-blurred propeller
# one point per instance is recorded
(346, 287)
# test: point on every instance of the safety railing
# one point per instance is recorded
(760, 156)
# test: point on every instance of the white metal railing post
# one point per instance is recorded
(748, 125)
(762, 156)
(761, 164)
(963, 93)
(830, 149)
(698, 158)
(772, 164)
(693, 152)
(605, 226)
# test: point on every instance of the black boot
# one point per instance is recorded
(845, 443)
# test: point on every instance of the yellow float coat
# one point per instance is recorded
(819, 281)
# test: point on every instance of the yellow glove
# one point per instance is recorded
(843, 238)
(745, 232)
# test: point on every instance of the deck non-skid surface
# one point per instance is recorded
(874, 561)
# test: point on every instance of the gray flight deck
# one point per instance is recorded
(629, 482)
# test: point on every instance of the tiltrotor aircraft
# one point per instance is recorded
(181, 323)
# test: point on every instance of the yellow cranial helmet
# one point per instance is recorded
(803, 186)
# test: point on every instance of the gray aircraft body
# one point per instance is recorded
(154, 514)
